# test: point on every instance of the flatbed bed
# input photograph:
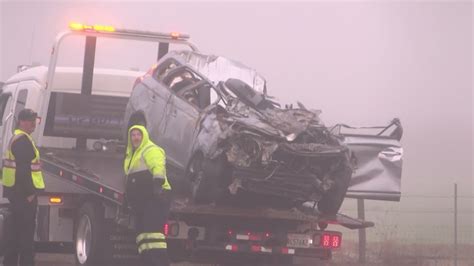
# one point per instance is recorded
(99, 173)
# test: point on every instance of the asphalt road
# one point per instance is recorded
(68, 260)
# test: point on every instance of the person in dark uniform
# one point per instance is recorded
(148, 193)
(22, 180)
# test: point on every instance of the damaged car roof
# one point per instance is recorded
(219, 68)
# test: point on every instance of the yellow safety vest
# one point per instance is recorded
(9, 164)
(147, 157)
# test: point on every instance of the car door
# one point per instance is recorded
(151, 97)
(181, 117)
(378, 156)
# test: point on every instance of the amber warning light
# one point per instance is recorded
(175, 35)
(55, 200)
(85, 27)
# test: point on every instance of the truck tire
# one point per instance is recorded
(88, 235)
(331, 201)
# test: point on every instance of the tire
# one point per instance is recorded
(208, 179)
(89, 238)
(332, 199)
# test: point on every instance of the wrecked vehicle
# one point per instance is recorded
(226, 136)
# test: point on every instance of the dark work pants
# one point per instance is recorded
(152, 214)
(19, 249)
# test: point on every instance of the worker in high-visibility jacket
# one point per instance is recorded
(148, 194)
(22, 180)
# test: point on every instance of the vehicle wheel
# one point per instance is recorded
(207, 178)
(331, 201)
(89, 237)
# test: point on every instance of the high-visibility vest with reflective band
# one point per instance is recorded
(138, 164)
(9, 164)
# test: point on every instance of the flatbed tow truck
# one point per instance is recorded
(82, 209)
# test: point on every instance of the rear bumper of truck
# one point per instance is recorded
(257, 250)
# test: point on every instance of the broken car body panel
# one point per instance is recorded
(379, 160)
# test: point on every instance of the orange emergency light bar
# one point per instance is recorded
(84, 27)
(110, 29)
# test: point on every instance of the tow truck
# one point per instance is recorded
(82, 209)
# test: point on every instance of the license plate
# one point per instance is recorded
(299, 241)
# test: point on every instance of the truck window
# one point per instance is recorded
(20, 103)
(90, 116)
(4, 100)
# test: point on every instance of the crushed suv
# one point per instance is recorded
(227, 137)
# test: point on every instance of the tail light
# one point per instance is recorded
(171, 229)
(166, 229)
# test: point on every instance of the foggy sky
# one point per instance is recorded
(361, 63)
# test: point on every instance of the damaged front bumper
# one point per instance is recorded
(296, 172)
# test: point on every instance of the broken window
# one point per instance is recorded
(163, 69)
(180, 78)
(200, 94)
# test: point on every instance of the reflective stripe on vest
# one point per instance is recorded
(154, 245)
(12, 164)
(147, 241)
(9, 164)
(149, 236)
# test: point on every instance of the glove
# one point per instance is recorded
(158, 189)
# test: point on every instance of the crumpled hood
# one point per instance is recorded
(273, 121)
